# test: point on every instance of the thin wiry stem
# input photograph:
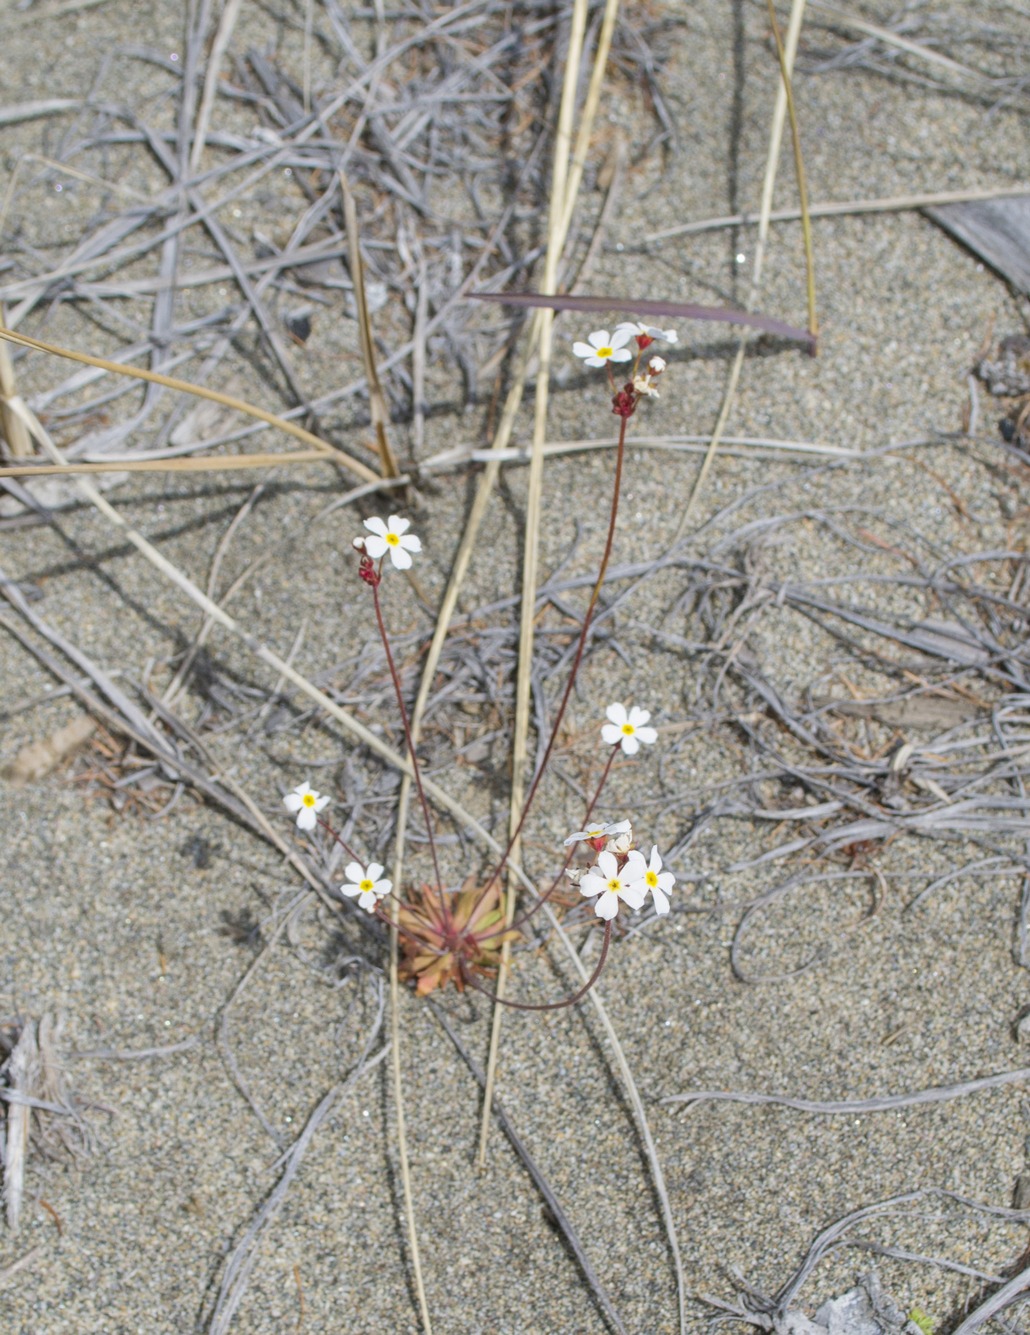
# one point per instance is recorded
(546, 1005)
(577, 657)
(399, 692)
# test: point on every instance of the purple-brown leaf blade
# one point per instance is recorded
(683, 310)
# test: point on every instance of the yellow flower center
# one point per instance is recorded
(615, 885)
(605, 352)
(308, 799)
(366, 884)
(651, 877)
(393, 539)
(628, 729)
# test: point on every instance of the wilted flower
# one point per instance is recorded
(627, 729)
(392, 537)
(597, 830)
(646, 333)
(645, 386)
(611, 883)
(602, 347)
(658, 882)
(656, 365)
(306, 803)
(366, 883)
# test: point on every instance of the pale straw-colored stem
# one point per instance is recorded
(779, 116)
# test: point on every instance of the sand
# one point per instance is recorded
(138, 930)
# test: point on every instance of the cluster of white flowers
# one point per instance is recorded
(366, 883)
(603, 347)
(621, 872)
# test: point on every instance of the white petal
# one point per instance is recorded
(411, 543)
(661, 901)
(592, 884)
(655, 861)
(374, 870)
(620, 338)
(610, 734)
(322, 803)
(616, 714)
(630, 745)
(600, 338)
(354, 872)
(575, 838)
(293, 801)
(638, 717)
(631, 327)
(399, 525)
(607, 864)
(622, 355)
(607, 906)
(306, 819)
(634, 867)
(582, 349)
(350, 890)
(400, 558)
(634, 895)
(382, 888)
(665, 882)
(620, 827)
(376, 547)
(647, 735)
(367, 900)
(376, 525)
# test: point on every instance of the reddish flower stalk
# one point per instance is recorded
(525, 917)
(578, 657)
(549, 1005)
(373, 583)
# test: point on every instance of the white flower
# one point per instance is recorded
(603, 347)
(636, 330)
(612, 884)
(658, 882)
(366, 883)
(656, 365)
(390, 537)
(595, 830)
(645, 386)
(622, 843)
(307, 804)
(627, 729)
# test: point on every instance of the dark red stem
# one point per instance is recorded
(525, 917)
(547, 1005)
(407, 733)
(574, 671)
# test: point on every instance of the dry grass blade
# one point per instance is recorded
(219, 47)
(12, 428)
(772, 161)
(376, 397)
(836, 209)
(241, 1263)
(17, 1071)
(329, 452)
(227, 464)
(531, 531)
(799, 167)
(539, 1180)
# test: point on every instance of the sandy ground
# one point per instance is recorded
(123, 923)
